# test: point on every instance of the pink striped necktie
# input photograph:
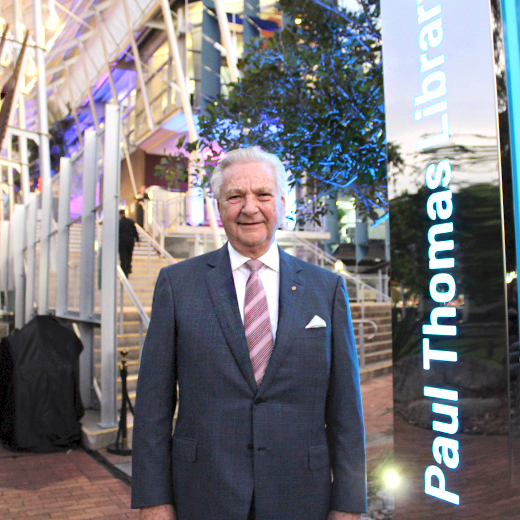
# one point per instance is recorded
(257, 322)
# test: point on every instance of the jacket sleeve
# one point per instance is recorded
(344, 413)
(156, 399)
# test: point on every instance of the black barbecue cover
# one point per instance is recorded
(40, 402)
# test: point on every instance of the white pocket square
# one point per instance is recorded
(316, 323)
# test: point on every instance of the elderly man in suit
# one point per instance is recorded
(258, 348)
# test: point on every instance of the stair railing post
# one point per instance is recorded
(75, 278)
(62, 282)
(362, 334)
(141, 339)
(111, 185)
(18, 243)
(32, 212)
(87, 265)
(121, 309)
(149, 257)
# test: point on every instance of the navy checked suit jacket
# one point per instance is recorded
(283, 439)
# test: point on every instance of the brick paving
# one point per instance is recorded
(379, 419)
(74, 486)
(481, 480)
(71, 486)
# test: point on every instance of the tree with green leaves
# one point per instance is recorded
(312, 94)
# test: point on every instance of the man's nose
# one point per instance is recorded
(250, 207)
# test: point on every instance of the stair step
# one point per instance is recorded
(375, 357)
(375, 370)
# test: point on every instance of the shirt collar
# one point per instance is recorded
(271, 259)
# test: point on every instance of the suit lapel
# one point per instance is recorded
(290, 306)
(221, 287)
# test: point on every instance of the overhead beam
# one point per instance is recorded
(12, 96)
(73, 106)
(28, 134)
(139, 69)
(153, 24)
(22, 138)
(225, 33)
(10, 163)
(78, 20)
(64, 63)
(64, 47)
(115, 101)
(90, 96)
(188, 113)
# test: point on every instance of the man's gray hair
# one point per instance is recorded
(244, 156)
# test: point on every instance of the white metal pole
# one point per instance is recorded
(62, 271)
(186, 106)
(87, 266)
(139, 69)
(22, 140)
(225, 33)
(10, 181)
(111, 175)
(18, 224)
(45, 160)
(32, 215)
(4, 257)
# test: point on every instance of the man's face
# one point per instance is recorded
(251, 209)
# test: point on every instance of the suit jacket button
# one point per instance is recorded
(250, 447)
(259, 401)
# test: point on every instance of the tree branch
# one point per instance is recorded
(374, 32)
(373, 29)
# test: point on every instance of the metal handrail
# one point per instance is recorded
(160, 249)
(143, 317)
(362, 338)
(332, 261)
(135, 300)
(364, 320)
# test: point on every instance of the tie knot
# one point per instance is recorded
(254, 265)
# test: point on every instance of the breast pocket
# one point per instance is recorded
(318, 333)
(184, 449)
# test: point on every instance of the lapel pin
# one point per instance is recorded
(293, 287)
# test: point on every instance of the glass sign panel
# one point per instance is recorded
(450, 337)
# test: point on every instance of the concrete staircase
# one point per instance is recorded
(378, 351)
(146, 265)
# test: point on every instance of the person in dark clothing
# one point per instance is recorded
(141, 199)
(127, 237)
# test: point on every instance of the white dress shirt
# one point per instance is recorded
(269, 273)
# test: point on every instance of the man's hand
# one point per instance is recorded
(339, 515)
(165, 512)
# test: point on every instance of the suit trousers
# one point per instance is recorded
(126, 248)
(251, 515)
